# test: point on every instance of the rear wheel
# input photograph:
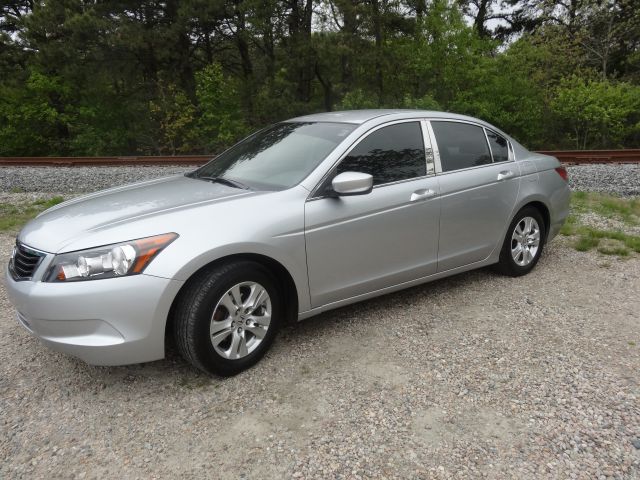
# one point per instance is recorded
(226, 318)
(523, 243)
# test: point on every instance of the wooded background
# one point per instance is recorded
(176, 77)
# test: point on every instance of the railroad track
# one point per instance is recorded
(570, 157)
(577, 157)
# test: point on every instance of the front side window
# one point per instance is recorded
(389, 154)
(461, 145)
(499, 147)
(277, 157)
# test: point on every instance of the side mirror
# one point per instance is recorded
(352, 183)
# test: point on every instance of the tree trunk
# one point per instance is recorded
(241, 41)
(349, 33)
(300, 33)
(327, 89)
(379, 44)
(481, 19)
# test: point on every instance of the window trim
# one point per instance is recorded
(436, 149)
(434, 142)
(431, 153)
(315, 193)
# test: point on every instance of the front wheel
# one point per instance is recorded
(227, 317)
(523, 243)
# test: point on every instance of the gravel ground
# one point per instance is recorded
(473, 376)
(623, 179)
(80, 179)
(618, 179)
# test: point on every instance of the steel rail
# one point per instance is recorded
(578, 157)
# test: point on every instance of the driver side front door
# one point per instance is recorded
(360, 244)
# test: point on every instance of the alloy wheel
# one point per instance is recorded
(240, 320)
(525, 241)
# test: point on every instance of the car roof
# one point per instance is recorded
(359, 117)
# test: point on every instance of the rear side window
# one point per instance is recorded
(499, 147)
(461, 145)
(389, 154)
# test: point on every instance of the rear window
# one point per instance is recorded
(499, 147)
(461, 145)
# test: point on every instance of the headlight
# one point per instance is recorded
(109, 261)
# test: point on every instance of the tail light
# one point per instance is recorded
(563, 173)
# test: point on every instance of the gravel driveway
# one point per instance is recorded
(476, 375)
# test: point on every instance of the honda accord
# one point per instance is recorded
(301, 217)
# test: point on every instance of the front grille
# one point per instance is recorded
(24, 262)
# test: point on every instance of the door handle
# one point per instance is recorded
(503, 175)
(422, 194)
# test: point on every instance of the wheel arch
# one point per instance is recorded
(542, 208)
(283, 277)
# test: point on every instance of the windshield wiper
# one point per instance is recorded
(225, 181)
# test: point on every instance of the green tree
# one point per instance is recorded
(174, 115)
(30, 122)
(598, 113)
(221, 121)
(82, 77)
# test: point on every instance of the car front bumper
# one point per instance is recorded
(114, 321)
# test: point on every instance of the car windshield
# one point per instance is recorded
(277, 157)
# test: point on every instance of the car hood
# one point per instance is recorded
(57, 227)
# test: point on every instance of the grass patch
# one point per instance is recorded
(13, 216)
(584, 244)
(607, 242)
(620, 251)
(570, 225)
(589, 237)
(613, 247)
(626, 210)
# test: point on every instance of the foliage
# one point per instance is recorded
(174, 115)
(598, 113)
(29, 122)
(193, 76)
(221, 120)
(507, 93)
(357, 99)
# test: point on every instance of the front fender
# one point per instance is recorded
(269, 225)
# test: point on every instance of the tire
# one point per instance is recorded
(207, 306)
(523, 262)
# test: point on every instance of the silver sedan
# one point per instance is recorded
(301, 217)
